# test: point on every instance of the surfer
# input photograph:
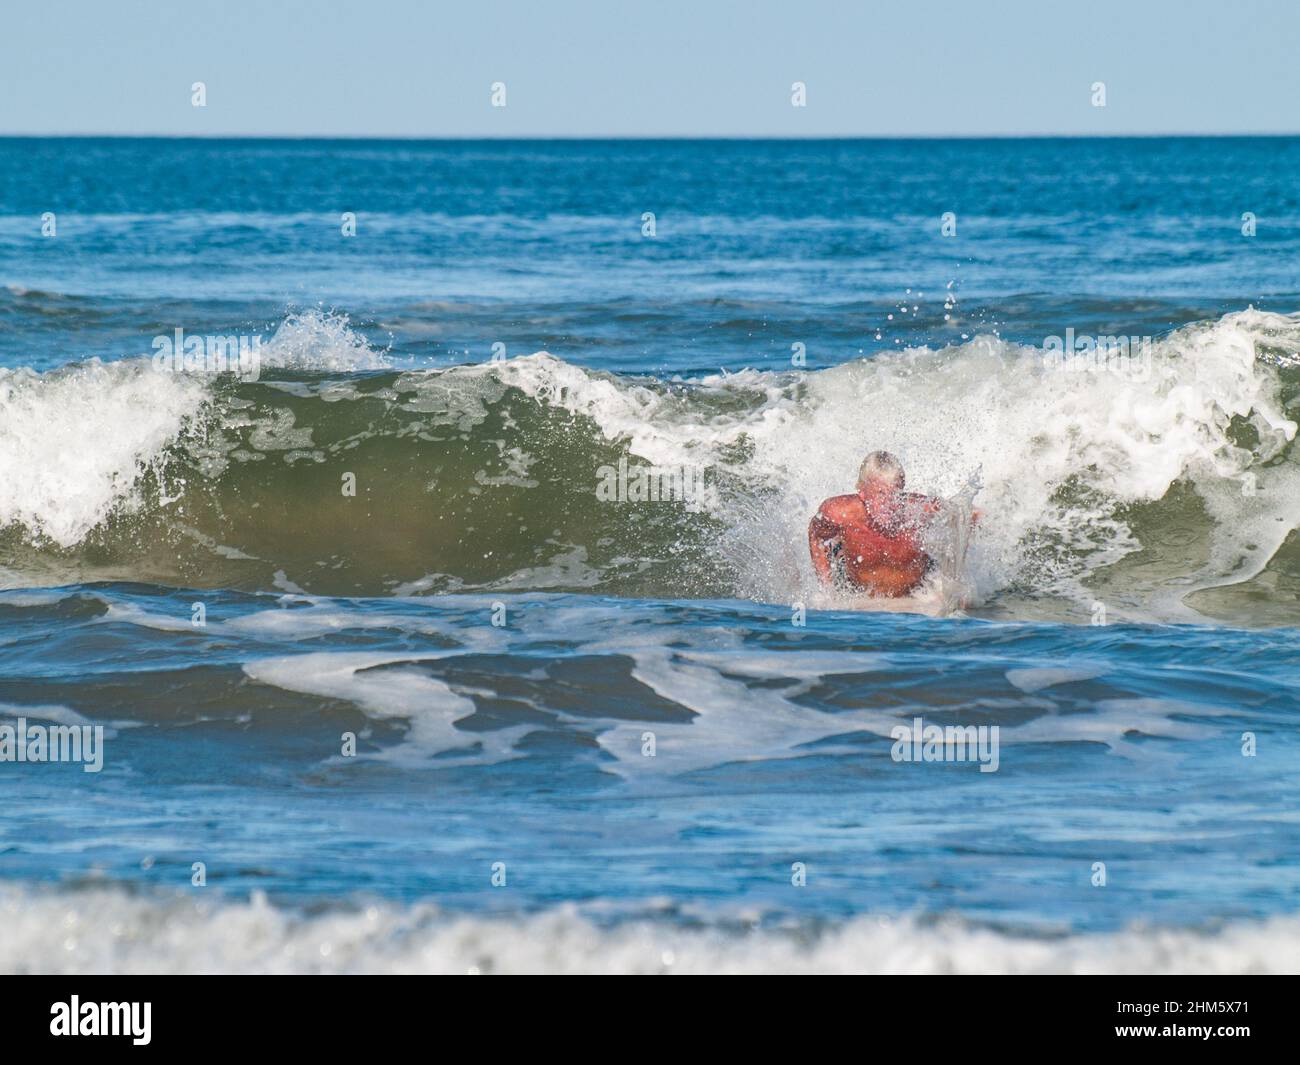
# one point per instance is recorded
(871, 541)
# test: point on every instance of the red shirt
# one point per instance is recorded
(878, 547)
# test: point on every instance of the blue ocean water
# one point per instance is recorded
(369, 644)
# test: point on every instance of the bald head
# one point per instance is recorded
(881, 468)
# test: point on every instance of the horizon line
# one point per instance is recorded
(647, 136)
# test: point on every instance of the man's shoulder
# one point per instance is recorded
(841, 507)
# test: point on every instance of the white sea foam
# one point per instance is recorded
(108, 931)
(429, 707)
(74, 442)
(741, 704)
(320, 340)
(1035, 679)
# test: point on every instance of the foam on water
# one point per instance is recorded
(736, 703)
(73, 442)
(430, 707)
(107, 931)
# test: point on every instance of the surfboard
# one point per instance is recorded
(938, 597)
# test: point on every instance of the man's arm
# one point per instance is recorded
(823, 531)
(930, 508)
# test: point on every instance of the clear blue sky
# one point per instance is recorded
(649, 67)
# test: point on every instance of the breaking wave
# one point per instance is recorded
(1167, 490)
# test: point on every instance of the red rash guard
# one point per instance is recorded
(878, 545)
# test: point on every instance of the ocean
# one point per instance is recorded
(416, 533)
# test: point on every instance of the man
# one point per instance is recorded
(873, 538)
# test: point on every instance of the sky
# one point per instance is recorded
(646, 68)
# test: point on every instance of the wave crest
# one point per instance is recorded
(1135, 487)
